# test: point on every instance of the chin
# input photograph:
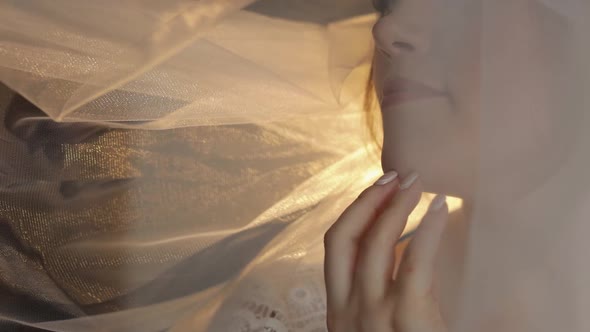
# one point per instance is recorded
(438, 175)
(389, 163)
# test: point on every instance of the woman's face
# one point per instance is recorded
(427, 74)
(426, 80)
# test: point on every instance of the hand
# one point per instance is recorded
(360, 261)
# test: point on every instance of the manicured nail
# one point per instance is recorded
(409, 181)
(386, 178)
(438, 202)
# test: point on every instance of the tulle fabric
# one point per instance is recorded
(111, 225)
(183, 159)
(179, 63)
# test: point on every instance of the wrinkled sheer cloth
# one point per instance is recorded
(111, 225)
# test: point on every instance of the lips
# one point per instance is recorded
(402, 90)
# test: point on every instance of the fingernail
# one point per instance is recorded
(409, 181)
(386, 178)
(438, 202)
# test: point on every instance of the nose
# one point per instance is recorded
(394, 39)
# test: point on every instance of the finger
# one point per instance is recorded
(376, 259)
(416, 270)
(342, 238)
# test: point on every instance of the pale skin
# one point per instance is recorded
(438, 44)
(363, 294)
(370, 286)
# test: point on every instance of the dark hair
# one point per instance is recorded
(372, 114)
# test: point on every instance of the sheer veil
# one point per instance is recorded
(173, 165)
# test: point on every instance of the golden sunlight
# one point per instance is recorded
(454, 203)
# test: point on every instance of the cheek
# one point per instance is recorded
(526, 80)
